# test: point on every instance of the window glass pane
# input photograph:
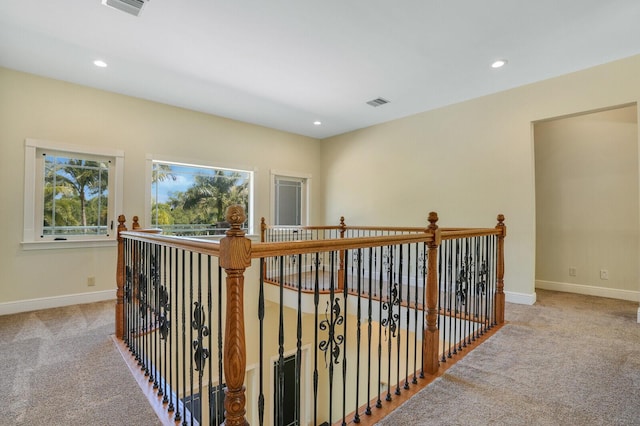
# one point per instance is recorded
(288, 201)
(75, 196)
(192, 200)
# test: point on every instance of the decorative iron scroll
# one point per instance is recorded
(333, 342)
(386, 259)
(422, 262)
(142, 295)
(481, 286)
(201, 353)
(164, 324)
(316, 260)
(128, 283)
(356, 258)
(463, 279)
(391, 321)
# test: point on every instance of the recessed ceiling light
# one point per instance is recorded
(499, 63)
(317, 123)
(99, 63)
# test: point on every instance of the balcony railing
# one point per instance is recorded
(310, 325)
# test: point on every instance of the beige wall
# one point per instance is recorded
(34, 107)
(468, 161)
(587, 202)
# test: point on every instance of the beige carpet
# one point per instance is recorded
(568, 360)
(60, 367)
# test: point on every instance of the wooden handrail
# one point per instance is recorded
(186, 243)
(448, 234)
(259, 250)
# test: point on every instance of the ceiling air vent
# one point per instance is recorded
(132, 7)
(377, 102)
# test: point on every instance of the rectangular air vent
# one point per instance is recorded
(377, 102)
(132, 7)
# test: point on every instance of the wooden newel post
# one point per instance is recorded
(343, 228)
(120, 280)
(500, 271)
(235, 257)
(431, 334)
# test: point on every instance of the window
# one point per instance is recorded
(289, 200)
(190, 199)
(72, 194)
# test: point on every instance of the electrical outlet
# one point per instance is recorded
(573, 272)
(604, 274)
(91, 281)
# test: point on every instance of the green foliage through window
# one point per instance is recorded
(75, 196)
(192, 200)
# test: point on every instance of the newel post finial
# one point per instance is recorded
(135, 225)
(235, 257)
(433, 219)
(343, 227)
(263, 229)
(121, 223)
(236, 217)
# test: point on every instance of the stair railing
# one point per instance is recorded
(161, 279)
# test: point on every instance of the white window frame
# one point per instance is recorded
(151, 158)
(34, 202)
(305, 198)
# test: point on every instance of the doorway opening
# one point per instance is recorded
(587, 203)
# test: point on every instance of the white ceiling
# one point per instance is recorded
(286, 63)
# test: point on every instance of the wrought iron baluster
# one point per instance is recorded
(298, 344)
(356, 418)
(280, 378)
(261, 331)
(423, 274)
(380, 326)
(191, 354)
(415, 315)
(399, 280)
(344, 353)
(442, 296)
(316, 300)
(180, 281)
(211, 404)
(457, 300)
(331, 346)
(172, 304)
(390, 321)
(407, 309)
(200, 353)
(369, 330)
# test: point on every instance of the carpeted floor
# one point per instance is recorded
(568, 360)
(60, 367)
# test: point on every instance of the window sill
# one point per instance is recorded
(67, 244)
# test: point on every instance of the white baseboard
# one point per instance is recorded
(18, 306)
(520, 298)
(611, 293)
